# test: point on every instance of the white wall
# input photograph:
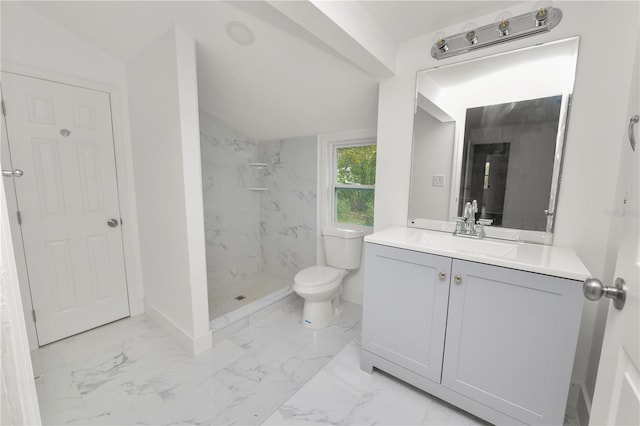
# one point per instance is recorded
(34, 46)
(163, 101)
(597, 116)
(432, 155)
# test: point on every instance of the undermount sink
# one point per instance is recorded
(484, 247)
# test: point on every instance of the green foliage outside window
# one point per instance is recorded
(356, 166)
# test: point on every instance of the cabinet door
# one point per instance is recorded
(405, 308)
(511, 339)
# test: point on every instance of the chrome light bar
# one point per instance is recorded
(517, 27)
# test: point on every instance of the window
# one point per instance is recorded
(354, 168)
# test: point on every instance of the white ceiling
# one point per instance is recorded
(408, 19)
(288, 83)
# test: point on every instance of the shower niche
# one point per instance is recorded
(258, 177)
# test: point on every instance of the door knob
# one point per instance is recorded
(593, 289)
(112, 223)
(12, 173)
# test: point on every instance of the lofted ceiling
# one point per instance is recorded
(303, 75)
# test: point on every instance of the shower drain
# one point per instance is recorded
(240, 297)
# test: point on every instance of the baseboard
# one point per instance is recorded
(194, 344)
(136, 307)
(202, 343)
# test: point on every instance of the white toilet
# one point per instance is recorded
(321, 286)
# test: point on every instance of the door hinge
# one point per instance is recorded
(4, 108)
(33, 313)
(19, 215)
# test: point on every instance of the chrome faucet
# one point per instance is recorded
(466, 225)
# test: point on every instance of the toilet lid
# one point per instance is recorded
(317, 275)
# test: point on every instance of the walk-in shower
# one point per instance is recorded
(259, 211)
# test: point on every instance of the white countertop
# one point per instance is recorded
(549, 260)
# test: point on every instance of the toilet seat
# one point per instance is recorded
(317, 276)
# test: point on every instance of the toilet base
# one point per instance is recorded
(318, 314)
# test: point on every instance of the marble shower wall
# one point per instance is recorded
(288, 208)
(231, 212)
(247, 232)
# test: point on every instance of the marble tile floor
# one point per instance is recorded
(273, 372)
(132, 372)
(224, 298)
(342, 394)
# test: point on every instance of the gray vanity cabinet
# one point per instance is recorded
(406, 308)
(508, 336)
(511, 339)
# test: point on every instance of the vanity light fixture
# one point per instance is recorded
(508, 28)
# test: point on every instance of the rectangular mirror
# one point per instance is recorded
(492, 130)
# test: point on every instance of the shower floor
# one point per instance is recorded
(229, 297)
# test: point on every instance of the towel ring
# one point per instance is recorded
(632, 137)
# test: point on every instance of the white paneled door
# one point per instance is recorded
(61, 137)
(616, 399)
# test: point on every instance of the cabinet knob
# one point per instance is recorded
(442, 276)
(458, 279)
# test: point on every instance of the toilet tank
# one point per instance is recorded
(342, 247)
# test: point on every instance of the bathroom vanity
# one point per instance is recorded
(488, 326)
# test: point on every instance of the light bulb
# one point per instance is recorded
(542, 9)
(504, 25)
(440, 42)
(470, 33)
(438, 35)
